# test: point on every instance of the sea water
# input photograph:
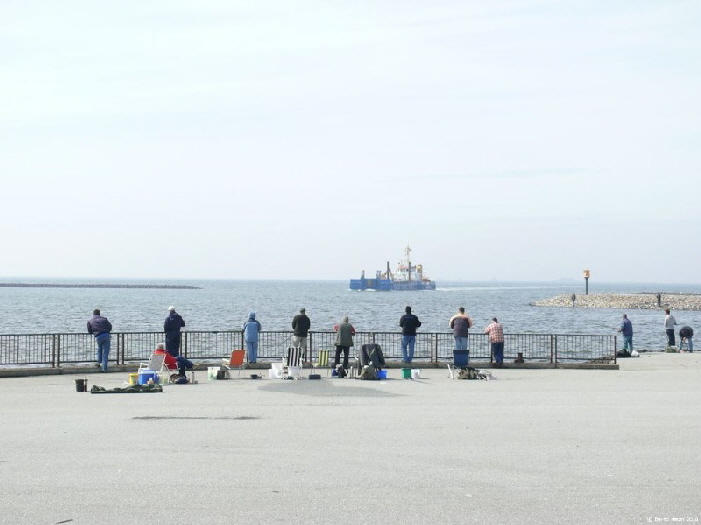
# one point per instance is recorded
(224, 305)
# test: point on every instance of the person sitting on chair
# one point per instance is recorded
(171, 362)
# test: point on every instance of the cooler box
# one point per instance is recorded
(145, 375)
(460, 357)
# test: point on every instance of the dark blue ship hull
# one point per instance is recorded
(387, 285)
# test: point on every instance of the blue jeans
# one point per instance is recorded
(689, 343)
(252, 349)
(462, 342)
(628, 343)
(410, 341)
(103, 349)
(498, 352)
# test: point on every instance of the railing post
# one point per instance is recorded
(55, 343)
(553, 349)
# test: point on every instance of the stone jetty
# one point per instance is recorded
(675, 301)
(99, 285)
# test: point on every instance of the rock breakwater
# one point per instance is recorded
(98, 285)
(674, 301)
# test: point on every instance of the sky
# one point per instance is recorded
(211, 139)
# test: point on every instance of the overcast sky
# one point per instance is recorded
(509, 140)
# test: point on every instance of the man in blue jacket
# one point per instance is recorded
(626, 330)
(250, 336)
(100, 327)
(173, 323)
(409, 323)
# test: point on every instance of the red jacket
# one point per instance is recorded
(169, 360)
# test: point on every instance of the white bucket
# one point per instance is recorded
(415, 373)
(274, 373)
(294, 371)
(277, 366)
(212, 372)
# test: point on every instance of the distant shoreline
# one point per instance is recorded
(98, 285)
(674, 301)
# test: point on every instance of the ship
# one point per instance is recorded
(407, 277)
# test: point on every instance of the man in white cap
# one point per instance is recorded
(173, 323)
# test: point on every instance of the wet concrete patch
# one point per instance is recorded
(327, 389)
(237, 418)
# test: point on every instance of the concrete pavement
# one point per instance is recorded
(532, 446)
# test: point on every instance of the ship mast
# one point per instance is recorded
(407, 252)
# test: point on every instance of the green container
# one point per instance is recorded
(406, 373)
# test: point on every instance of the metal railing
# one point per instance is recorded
(55, 350)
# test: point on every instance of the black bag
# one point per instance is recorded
(368, 372)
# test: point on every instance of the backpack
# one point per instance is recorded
(368, 372)
(340, 371)
(468, 372)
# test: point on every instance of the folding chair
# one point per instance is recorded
(294, 356)
(370, 354)
(375, 356)
(322, 361)
(363, 357)
(236, 362)
(294, 360)
(156, 363)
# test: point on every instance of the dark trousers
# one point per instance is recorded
(345, 350)
(670, 337)
(498, 352)
(183, 364)
(173, 343)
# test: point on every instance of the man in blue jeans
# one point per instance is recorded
(100, 327)
(626, 330)
(461, 323)
(409, 323)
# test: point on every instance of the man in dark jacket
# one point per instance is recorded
(626, 330)
(301, 325)
(409, 323)
(686, 335)
(461, 323)
(100, 327)
(173, 323)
